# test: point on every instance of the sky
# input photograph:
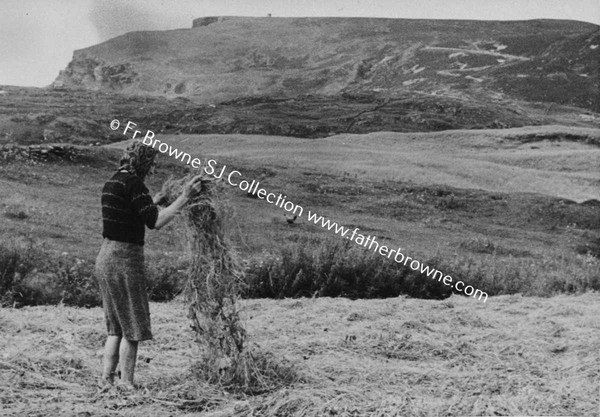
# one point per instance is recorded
(38, 37)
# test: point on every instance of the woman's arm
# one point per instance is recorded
(189, 190)
(168, 213)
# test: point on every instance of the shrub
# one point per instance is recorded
(76, 278)
(544, 275)
(591, 247)
(166, 279)
(450, 202)
(335, 267)
(17, 262)
(31, 276)
(9, 264)
(485, 245)
(16, 213)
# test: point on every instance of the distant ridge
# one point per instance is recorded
(226, 57)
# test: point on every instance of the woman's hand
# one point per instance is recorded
(193, 187)
(190, 190)
(160, 199)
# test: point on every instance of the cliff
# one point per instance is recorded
(224, 58)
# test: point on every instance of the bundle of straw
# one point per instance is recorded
(215, 276)
(215, 282)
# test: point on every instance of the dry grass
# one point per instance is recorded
(215, 276)
(403, 357)
(214, 285)
(517, 356)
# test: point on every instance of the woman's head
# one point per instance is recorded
(138, 158)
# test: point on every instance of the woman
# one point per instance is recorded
(127, 209)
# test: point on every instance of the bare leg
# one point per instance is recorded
(128, 353)
(111, 358)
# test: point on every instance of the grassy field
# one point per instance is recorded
(399, 187)
(514, 204)
(490, 160)
(451, 194)
(396, 357)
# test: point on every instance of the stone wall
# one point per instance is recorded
(38, 153)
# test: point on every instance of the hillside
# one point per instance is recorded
(227, 58)
(39, 115)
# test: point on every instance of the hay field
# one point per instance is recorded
(403, 357)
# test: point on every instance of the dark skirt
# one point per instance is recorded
(121, 277)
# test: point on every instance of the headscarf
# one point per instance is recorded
(138, 158)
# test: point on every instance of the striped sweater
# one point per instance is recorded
(127, 208)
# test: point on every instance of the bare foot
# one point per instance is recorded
(126, 388)
(110, 378)
(104, 385)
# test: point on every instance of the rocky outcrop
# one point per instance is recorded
(96, 74)
(205, 21)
